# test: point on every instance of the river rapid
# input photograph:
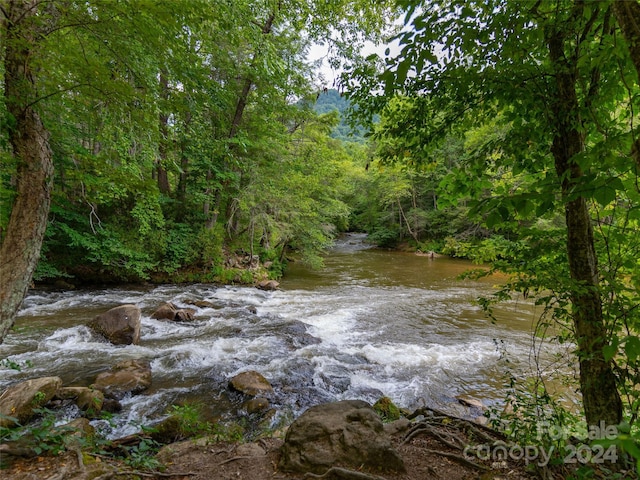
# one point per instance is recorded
(370, 323)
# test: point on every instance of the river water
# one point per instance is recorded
(370, 323)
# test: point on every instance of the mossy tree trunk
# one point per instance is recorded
(24, 23)
(627, 13)
(600, 396)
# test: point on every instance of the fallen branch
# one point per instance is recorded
(344, 474)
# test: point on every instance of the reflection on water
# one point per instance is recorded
(370, 323)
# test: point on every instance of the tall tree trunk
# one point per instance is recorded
(163, 147)
(627, 14)
(211, 212)
(29, 139)
(184, 160)
(597, 382)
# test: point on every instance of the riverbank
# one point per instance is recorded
(430, 448)
(370, 323)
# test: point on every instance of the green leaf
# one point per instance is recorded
(632, 348)
(610, 350)
(604, 195)
(403, 70)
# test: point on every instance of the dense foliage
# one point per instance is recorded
(183, 134)
(539, 99)
(187, 138)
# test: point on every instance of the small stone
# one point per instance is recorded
(257, 405)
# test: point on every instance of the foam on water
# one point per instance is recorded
(69, 339)
(49, 303)
(462, 356)
(346, 337)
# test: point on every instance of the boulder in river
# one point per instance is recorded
(169, 311)
(257, 405)
(268, 285)
(120, 325)
(165, 311)
(471, 402)
(89, 400)
(184, 315)
(251, 383)
(129, 376)
(18, 401)
(348, 433)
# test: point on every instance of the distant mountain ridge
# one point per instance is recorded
(331, 99)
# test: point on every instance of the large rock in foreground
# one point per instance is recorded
(120, 325)
(18, 401)
(347, 433)
(129, 376)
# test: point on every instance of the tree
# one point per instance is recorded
(600, 396)
(23, 26)
(628, 16)
(551, 68)
(111, 72)
(148, 112)
(272, 72)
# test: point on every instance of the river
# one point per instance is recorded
(370, 323)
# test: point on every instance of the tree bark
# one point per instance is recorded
(597, 381)
(184, 160)
(29, 139)
(627, 13)
(163, 147)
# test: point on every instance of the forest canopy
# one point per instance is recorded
(179, 141)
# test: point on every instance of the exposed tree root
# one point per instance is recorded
(233, 459)
(439, 426)
(154, 474)
(344, 474)
(108, 475)
(460, 459)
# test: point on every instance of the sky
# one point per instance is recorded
(331, 75)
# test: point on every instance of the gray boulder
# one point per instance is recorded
(347, 433)
(120, 325)
(18, 401)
